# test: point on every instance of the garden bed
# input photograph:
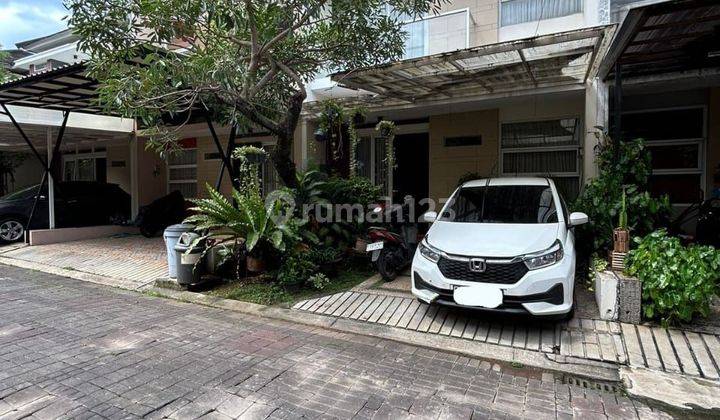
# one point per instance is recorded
(264, 291)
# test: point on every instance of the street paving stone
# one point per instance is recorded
(69, 349)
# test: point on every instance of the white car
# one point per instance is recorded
(503, 245)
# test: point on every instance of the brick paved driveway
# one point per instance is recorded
(73, 350)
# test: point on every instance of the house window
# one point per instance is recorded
(182, 172)
(436, 34)
(675, 140)
(513, 12)
(371, 161)
(85, 165)
(549, 148)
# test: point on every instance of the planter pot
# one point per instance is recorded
(320, 135)
(619, 298)
(361, 245)
(255, 265)
(629, 299)
(621, 240)
(617, 260)
(606, 287)
(255, 158)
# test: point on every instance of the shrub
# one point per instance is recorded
(296, 269)
(602, 198)
(319, 281)
(678, 282)
(324, 255)
(355, 190)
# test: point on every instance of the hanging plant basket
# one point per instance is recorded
(255, 158)
(320, 135)
(358, 118)
(255, 264)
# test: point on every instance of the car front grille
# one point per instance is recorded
(509, 273)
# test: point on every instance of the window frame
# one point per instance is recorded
(500, 14)
(169, 167)
(578, 173)
(426, 37)
(74, 156)
(373, 135)
(700, 142)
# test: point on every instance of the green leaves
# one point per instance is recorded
(253, 220)
(678, 282)
(602, 199)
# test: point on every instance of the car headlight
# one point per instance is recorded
(428, 252)
(545, 258)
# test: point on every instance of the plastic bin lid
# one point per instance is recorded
(187, 239)
(180, 227)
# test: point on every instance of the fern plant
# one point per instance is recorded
(253, 220)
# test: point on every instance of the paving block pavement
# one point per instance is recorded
(69, 349)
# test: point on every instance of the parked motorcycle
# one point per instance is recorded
(392, 248)
(706, 215)
(161, 213)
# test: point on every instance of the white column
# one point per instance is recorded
(596, 119)
(134, 186)
(304, 144)
(50, 180)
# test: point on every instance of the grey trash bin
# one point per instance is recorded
(187, 255)
(171, 235)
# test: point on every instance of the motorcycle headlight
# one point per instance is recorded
(429, 252)
(545, 258)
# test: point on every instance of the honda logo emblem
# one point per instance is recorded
(477, 265)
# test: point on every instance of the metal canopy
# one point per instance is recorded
(662, 38)
(545, 61)
(66, 88)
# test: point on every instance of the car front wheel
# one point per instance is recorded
(11, 230)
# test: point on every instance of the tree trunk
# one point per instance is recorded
(282, 155)
(284, 132)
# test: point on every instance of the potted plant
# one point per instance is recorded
(250, 154)
(621, 238)
(361, 244)
(320, 135)
(254, 262)
(621, 234)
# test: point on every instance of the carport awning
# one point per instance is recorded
(669, 37)
(66, 88)
(563, 59)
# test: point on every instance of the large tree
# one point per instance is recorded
(244, 62)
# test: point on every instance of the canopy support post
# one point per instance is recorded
(226, 164)
(228, 154)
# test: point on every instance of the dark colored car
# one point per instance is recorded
(77, 204)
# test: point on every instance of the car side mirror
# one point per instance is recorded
(429, 217)
(577, 219)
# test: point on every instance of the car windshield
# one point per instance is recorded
(25, 193)
(502, 204)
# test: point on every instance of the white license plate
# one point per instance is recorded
(374, 246)
(483, 295)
